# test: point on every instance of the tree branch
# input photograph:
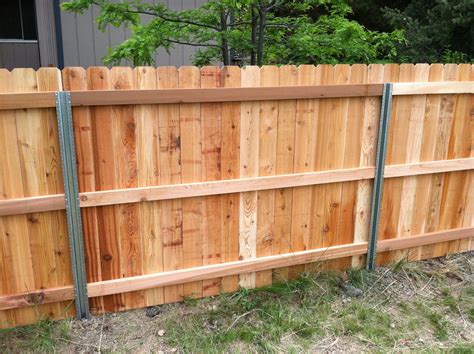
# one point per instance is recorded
(164, 18)
(193, 44)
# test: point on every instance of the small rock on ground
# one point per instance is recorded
(152, 311)
(352, 291)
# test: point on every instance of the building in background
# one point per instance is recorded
(35, 33)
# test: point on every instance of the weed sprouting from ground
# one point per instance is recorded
(259, 318)
(396, 303)
(360, 277)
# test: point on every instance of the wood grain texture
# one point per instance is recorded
(191, 169)
(230, 169)
(229, 268)
(148, 174)
(391, 193)
(436, 128)
(268, 262)
(268, 130)
(211, 167)
(432, 123)
(170, 173)
(34, 246)
(213, 94)
(415, 124)
(442, 182)
(77, 79)
(196, 189)
(103, 126)
(305, 140)
(433, 88)
(367, 151)
(150, 96)
(27, 100)
(197, 181)
(346, 140)
(127, 215)
(284, 165)
(249, 147)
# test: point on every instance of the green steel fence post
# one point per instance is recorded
(73, 210)
(384, 121)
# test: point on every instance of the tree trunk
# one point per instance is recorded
(224, 42)
(254, 24)
(261, 34)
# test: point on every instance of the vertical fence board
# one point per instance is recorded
(211, 133)
(268, 129)
(75, 79)
(469, 217)
(230, 169)
(326, 198)
(249, 147)
(170, 173)
(304, 151)
(127, 215)
(148, 174)
(410, 218)
(460, 147)
(391, 194)
(441, 152)
(190, 126)
(15, 238)
(346, 141)
(428, 183)
(285, 150)
(104, 126)
(353, 138)
(368, 145)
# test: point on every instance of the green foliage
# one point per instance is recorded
(435, 30)
(250, 31)
(360, 277)
(39, 337)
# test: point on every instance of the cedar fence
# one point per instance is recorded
(124, 188)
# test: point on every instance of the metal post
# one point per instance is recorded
(385, 111)
(73, 211)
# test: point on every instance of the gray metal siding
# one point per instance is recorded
(84, 45)
(17, 54)
(46, 33)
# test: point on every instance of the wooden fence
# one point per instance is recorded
(225, 177)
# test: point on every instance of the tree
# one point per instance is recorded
(435, 30)
(248, 31)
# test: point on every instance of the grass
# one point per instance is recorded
(39, 337)
(298, 313)
(421, 307)
(258, 318)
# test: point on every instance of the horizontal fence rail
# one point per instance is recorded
(149, 281)
(165, 96)
(200, 189)
(197, 181)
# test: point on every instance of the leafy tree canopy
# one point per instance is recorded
(435, 30)
(245, 31)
